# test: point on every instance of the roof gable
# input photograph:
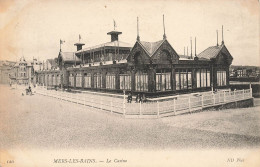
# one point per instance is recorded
(139, 50)
(218, 53)
(151, 47)
(210, 52)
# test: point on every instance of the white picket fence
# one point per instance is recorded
(108, 102)
(187, 104)
(178, 105)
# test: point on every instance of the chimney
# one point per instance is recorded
(195, 48)
(79, 44)
(114, 35)
(191, 47)
(187, 51)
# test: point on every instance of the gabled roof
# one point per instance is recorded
(52, 62)
(210, 52)
(111, 44)
(69, 56)
(151, 47)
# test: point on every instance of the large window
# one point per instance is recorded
(78, 80)
(46, 80)
(71, 80)
(183, 79)
(141, 81)
(110, 81)
(221, 78)
(87, 80)
(54, 80)
(50, 80)
(125, 82)
(98, 80)
(58, 80)
(203, 78)
(163, 81)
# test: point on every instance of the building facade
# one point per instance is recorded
(151, 68)
(6, 71)
(23, 72)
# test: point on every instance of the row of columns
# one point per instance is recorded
(151, 72)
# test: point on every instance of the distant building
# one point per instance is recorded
(5, 71)
(244, 71)
(23, 72)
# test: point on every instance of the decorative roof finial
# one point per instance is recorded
(222, 36)
(164, 35)
(217, 37)
(138, 37)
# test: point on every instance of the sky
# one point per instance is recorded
(33, 28)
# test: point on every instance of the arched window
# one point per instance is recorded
(163, 80)
(71, 80)
(87, 80)
(110, 81)
(141, 81)
(78, 80)
(125, 81)
(58, 79)
(183, 79)
(221, 78)
(203, 78)
(97, 80)
(54, 80)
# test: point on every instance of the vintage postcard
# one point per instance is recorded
(110, 83)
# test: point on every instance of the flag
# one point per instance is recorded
(61, 41)
(79, 37)
(114, 24)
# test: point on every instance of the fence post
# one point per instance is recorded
(101, 103)
(84, 100)
(202, 101)
(251, 92)
(214, 99)
(243, 93)
(92, 101)
(140, 109)
(225, 96)
(124, 104)
(234, 94)
(189, 105)
(111, 104)
(174, 106)
(158, 110)
(219, 97)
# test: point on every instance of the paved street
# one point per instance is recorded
(42, 122)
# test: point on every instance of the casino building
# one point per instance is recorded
(152, 68)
